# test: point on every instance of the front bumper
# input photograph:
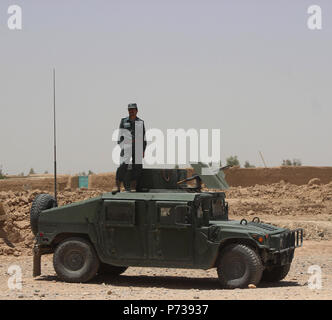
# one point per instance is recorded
(285, 244)
(291, 239)
(282, 257)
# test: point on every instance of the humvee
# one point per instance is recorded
(166, 223)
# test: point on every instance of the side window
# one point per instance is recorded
(166, 214)
(218, 206)
(120, 212)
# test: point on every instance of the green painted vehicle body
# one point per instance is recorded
(170, 228)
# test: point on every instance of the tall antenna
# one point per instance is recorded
(54, 133)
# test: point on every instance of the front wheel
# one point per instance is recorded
(239, 266)
(275, 273)
(75, 260)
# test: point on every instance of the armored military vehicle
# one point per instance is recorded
(168, 222)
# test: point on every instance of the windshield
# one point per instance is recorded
(212, 209)
(218, 209)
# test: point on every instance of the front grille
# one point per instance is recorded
(291, 239)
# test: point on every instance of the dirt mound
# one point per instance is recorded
(43, 182)
(281, 199)
(296, 175)
(306, 206)
(314, 181)
(104, 181)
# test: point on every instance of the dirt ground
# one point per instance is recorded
(170, 284)
(307, 206)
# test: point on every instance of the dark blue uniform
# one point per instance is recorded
(130, 139)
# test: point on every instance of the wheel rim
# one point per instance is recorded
(74, 260)
(234, 270)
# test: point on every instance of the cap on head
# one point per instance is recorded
(132, 106)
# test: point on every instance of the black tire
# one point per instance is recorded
(75, 260)
(108, 269)
(40, 203)
(276, 273)
(239, 266)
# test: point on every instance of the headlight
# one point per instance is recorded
(260, 238)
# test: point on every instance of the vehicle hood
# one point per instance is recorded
(252, 227)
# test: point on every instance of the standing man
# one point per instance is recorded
(132, 142)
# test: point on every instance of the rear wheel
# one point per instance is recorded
(239, 266)
(75, 260)
(276, 273)
(111, 270)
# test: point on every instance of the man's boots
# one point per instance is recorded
(133, 186)
(118, 187)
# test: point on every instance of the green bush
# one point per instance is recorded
(295, 162)
(248, 165)
(2, 175)
(232, 161)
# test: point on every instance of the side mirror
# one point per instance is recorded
(183, 215)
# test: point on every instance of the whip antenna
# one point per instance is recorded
(54, 133)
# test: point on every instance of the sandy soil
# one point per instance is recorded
(170, 284)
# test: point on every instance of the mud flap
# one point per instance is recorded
(36, 262)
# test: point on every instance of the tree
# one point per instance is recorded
(248, 165)
(232, 161)
(2, 175)
(286, 162)
(32, 171)
(295, 163)
(90, 172)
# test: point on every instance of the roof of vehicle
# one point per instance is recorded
(167, 196)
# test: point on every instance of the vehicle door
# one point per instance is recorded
(173, 233)
(123, 228)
